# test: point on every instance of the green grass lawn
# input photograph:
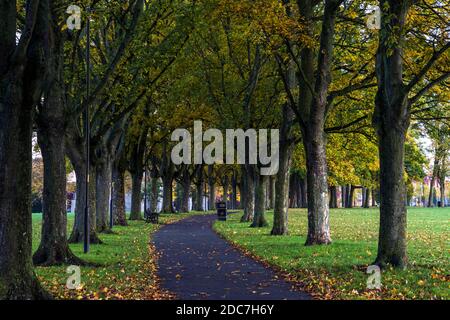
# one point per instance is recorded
(127, 264)
(338, 270)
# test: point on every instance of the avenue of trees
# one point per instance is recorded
(351, 103)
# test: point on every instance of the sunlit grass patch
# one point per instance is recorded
(127, 264)
(338, 270)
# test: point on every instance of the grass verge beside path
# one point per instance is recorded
(337, 271)
(127, 264)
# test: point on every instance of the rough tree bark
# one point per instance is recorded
(234, 191)
(311, 110)
(136, 195)
(75, 149)
(212, 188)
(303, 188)
(118, 195)
(186, 186)
(272, 187)
(136, 169)
(343, 196)
(77, 234)
(391, 120)
(333, 197)
(366, 192)
(226, 187)
(199, 187)
(259, 219)
(281, 189)
(318, 211)
(374, 203)
(103, 174)
(292, 191)
(53, 248)
(109, 149)
(432, 194)
(154, 194)
(249, 191)
(167, 175)
(442, 190)
(23, 72)
(167, 195)
(351, 196)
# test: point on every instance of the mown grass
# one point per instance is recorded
(338, 270)
(126, 264)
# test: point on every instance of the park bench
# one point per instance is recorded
(151, 217)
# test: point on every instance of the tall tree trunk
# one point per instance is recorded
(318, 211)
(242, 189)
(199, 203)
(295, 190)
(186, 186)
(303, 189)
(281, 207)
(77, 234)
(272, 186)
(136, 168)
(17, 278)
(442, 190)
(249, 206)
(298, 190)
(391, 120)
(343, 196)
(333, 197)
(312, 113)
(392, 236)
(102, 192)
(167, 194)
(234, 192)
(118, 196)
(348, 196)
(363, 196)
(432, 194)
(199, 193)
(23, 73)
(374, 201)
(54, 248)
(259, 219)
(225, 190)
(212, 188)
(154, 194)
(280, 192)
(136, 195)
(351, 196)
(366, 197)
(179, 197)
(292, 199)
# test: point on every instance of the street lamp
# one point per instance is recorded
(145, 188)
(74, 23)
(87, 128)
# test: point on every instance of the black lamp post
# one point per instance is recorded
(111, 218)
(145, 190)
(87, 130)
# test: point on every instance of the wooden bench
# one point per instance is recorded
(151, 217)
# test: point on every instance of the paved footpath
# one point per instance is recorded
(197, 264)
